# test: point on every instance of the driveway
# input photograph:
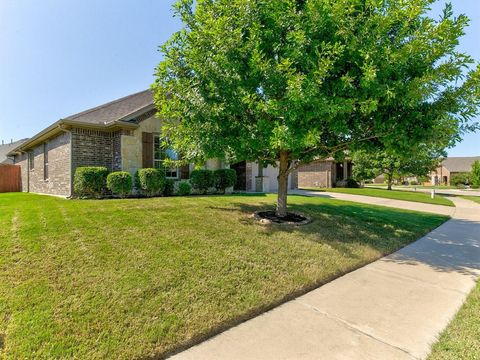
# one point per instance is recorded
(393, 308)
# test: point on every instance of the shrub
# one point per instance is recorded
(351, 183)
(460, 179)
(184, 188)
(475, 174)
(150, 181)
(414, 182)
(90, 181)
(169, 188)
(201, 180)
(120, 183)
(423, 179)
(224, 178)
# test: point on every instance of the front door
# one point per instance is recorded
(339, 171)
(241, 170)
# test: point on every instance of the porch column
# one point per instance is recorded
(261, 182)
(345, 170)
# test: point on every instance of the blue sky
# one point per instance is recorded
(59, 57)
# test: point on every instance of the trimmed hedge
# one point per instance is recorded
(184, 188)
(352, 183)
(150, 181)
(348, 183)
(201, 180)
(224, 178)
(120, 182)
(169, 188)
(90, 181)
(460, 179)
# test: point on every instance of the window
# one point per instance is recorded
(31, 160)
(161, 152)
(45, 161)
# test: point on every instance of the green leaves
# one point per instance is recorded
(250, 78)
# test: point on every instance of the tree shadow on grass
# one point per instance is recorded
(341, 224)
(450, 247)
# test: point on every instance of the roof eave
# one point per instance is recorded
(65, 125)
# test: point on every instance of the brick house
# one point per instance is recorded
(451, 166)
(126, 135)
(324, 173)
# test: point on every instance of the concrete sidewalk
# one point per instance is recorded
(393, 308)
(399, 204)
(439, 190)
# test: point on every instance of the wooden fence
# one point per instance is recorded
(10, 178)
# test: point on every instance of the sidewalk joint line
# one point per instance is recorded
(357, 330)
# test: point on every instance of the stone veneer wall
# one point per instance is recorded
(318, 174)
(131, 144)
(58, 181)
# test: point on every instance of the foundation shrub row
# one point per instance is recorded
(97, 182)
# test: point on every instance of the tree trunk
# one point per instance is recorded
(389, 182)
(282, 185)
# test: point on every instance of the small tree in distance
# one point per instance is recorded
(288, 82)
(475, 174)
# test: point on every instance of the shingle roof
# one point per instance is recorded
(6, 148)
(114, 110)
(110, 115)
(459, 164)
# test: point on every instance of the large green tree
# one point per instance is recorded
(291, 81)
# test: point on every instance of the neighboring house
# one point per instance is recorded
(380, 179)
(324, 173)
(126, 135)
(6, 148)
(451, 166)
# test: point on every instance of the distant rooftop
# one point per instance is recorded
(459, 164)
(5, 148)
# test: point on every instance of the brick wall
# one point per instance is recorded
(441, 176)
(294, 180)
(21, 160)
(318, 174)
(96, 148)
(57, 181)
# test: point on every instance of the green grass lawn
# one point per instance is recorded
(391, 194)
(124, 279)
(461, 339)
(473, 198)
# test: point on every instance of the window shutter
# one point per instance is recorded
(185, 172)
(147, 150)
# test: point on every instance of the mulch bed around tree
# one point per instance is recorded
(270, 217)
